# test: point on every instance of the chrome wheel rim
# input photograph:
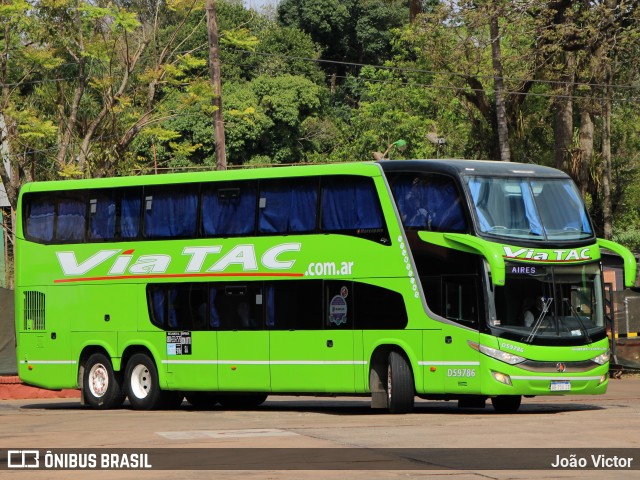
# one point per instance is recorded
(98, 380)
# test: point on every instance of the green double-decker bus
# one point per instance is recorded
(443, 279)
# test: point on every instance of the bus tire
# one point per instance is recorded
(143, 388)
(242, 400)
(101, 386)
(506, 403)
(400, 391)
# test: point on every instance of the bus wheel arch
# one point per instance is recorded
(391, 379)
(101, 386)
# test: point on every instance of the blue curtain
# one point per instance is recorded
(531, 213)
(444, 203)
(229, 211)
(130, 214)
(410, 203)
(214, 320)
(584, 219)
(475, 187)
(40, 220)
(429, 202)
(71, 220)
(289, 206)
(350, 203)
(102, 223)
(271, 306)
(172, 214)
(173, 314)
(158, 305)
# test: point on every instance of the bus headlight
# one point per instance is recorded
(505, 357)
(501, 377)
(602, 358)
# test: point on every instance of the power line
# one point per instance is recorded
(432, 72)
(390, 68)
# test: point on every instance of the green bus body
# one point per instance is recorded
(76, 299)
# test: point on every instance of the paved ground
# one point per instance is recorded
(611, 421)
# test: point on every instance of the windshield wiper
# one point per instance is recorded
(546, 303)
(582, 325)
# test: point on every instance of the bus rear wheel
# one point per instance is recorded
(142, 383)
(101, 386)
(506, 403)
(400, 391)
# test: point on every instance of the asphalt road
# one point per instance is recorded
(329, 427)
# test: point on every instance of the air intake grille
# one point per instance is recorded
(34, 311)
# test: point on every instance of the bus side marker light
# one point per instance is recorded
(502, 377)
(30, 367)
(603, 378)
(433, 369)
(233, 367)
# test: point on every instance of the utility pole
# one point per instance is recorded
(496, 57)
(216, 83)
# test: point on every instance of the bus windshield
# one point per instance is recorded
(539, 302)
(531, 209)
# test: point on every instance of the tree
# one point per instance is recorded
(460, 47)
(216, 83)
(348, 31)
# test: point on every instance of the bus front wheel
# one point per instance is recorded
(142, 382)
(506, 403)
(400, 391)
(101, 386)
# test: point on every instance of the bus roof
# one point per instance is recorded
(472, 167)
(454, 167)
(348, 168)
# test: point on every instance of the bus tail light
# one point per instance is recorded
(501, 377)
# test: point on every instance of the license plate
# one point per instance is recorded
(560, 386)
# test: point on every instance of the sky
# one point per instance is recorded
(257, 4)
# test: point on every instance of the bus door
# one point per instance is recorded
(184, 312)
(311, 347)
(243, 342)
(461, 305)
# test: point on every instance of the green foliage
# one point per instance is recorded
(347, 30)
(629, 237)
(328, 81)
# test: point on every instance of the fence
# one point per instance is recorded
(625, 331)
(8, 364)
